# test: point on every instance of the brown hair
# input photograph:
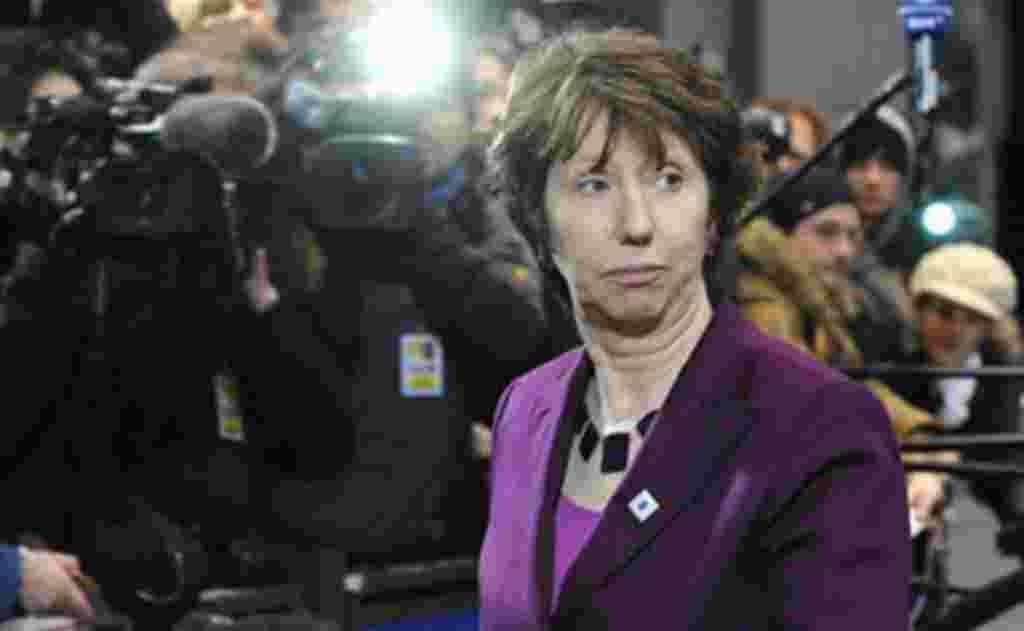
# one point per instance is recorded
(645, 86)
(820, 122)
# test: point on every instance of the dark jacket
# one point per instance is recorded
(995, 407)
(781, 502)
(353, 455)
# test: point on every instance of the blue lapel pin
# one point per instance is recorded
(643, 506)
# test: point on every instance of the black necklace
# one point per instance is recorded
(614, 446)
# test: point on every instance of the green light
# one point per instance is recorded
(939, 219)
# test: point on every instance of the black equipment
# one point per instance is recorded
(768, 127)
(237, 133)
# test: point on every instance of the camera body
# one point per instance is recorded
(768, 127)
(94, 164)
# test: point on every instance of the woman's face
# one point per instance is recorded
(950, 333)
(630, 238)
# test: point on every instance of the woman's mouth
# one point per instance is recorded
(632, 276)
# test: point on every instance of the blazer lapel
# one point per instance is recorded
(703, 421)
(550, 447)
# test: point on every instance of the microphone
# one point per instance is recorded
(925, 22)
(238, 133)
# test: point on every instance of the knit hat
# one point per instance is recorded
(813, 192)
(887, 131)
(969, 275)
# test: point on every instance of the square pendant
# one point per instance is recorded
(616, 453)
(643, 506)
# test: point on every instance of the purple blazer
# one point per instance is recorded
(780, 495)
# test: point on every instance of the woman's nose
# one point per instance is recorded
(636, 223)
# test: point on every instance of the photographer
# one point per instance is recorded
(397, 350)
(393, 301)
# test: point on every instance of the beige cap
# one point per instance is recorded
(969, 275)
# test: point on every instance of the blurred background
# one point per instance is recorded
(839, 53)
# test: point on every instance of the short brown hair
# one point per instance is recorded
(645, 86)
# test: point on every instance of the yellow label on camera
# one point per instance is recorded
(421, 365)
(230, 425)
(520, 273)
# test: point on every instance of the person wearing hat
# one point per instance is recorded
(794, 283)
(877, 159)
(965, 296)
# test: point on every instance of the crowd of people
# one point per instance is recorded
(688, 439)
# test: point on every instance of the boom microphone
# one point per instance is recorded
(925, 22)
(237, 133)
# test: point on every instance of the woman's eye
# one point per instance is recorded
(591, 184)
(669, 181)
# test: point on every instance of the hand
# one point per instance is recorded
(1006, 337)
(925, 497)
(483, 441)
(49, 581)
(259, 290)
(926, 493)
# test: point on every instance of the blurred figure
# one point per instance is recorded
(376, 281)
(965, 297)
(190, 14)
(237, 53)
(39, 581)
(878, 159)
(795, 283)
(196, 14)
(295, 17)
(809, 129)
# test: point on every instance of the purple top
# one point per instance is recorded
(573, 525)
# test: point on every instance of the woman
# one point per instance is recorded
(965, 296)
(681, 470)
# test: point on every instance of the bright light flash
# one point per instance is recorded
(408, 48)
(939, 219)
